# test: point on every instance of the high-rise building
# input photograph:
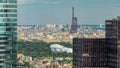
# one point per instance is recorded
(113, 31)
(94, 53)
(99, 52)
(74, 23)
(8, 33)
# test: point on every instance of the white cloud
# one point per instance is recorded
(47, 2)
(25, 1)
(75, 2)
(38, 1)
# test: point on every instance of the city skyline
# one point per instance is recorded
(59, 11)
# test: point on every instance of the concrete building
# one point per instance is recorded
(8, 33)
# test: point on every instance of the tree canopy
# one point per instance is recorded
(41, 48)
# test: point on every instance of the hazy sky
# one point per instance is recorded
(59, 11)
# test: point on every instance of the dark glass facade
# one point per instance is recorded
(94, 53)
(113, 31)
(8, 33)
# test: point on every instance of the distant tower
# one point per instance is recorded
(72, 14)
(74, 23)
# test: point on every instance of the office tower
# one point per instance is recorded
(8, 33)
(113, 31)
(94, 53)
(74, 23)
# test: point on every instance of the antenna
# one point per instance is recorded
(72, 14)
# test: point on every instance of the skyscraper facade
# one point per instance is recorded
(8, 33)
(94, 53)
(113, 31)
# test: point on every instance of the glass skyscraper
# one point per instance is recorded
(8, 33)
(94, 53)
(99, 52)
(113, 31)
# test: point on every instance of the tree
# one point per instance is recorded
(27, 64)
